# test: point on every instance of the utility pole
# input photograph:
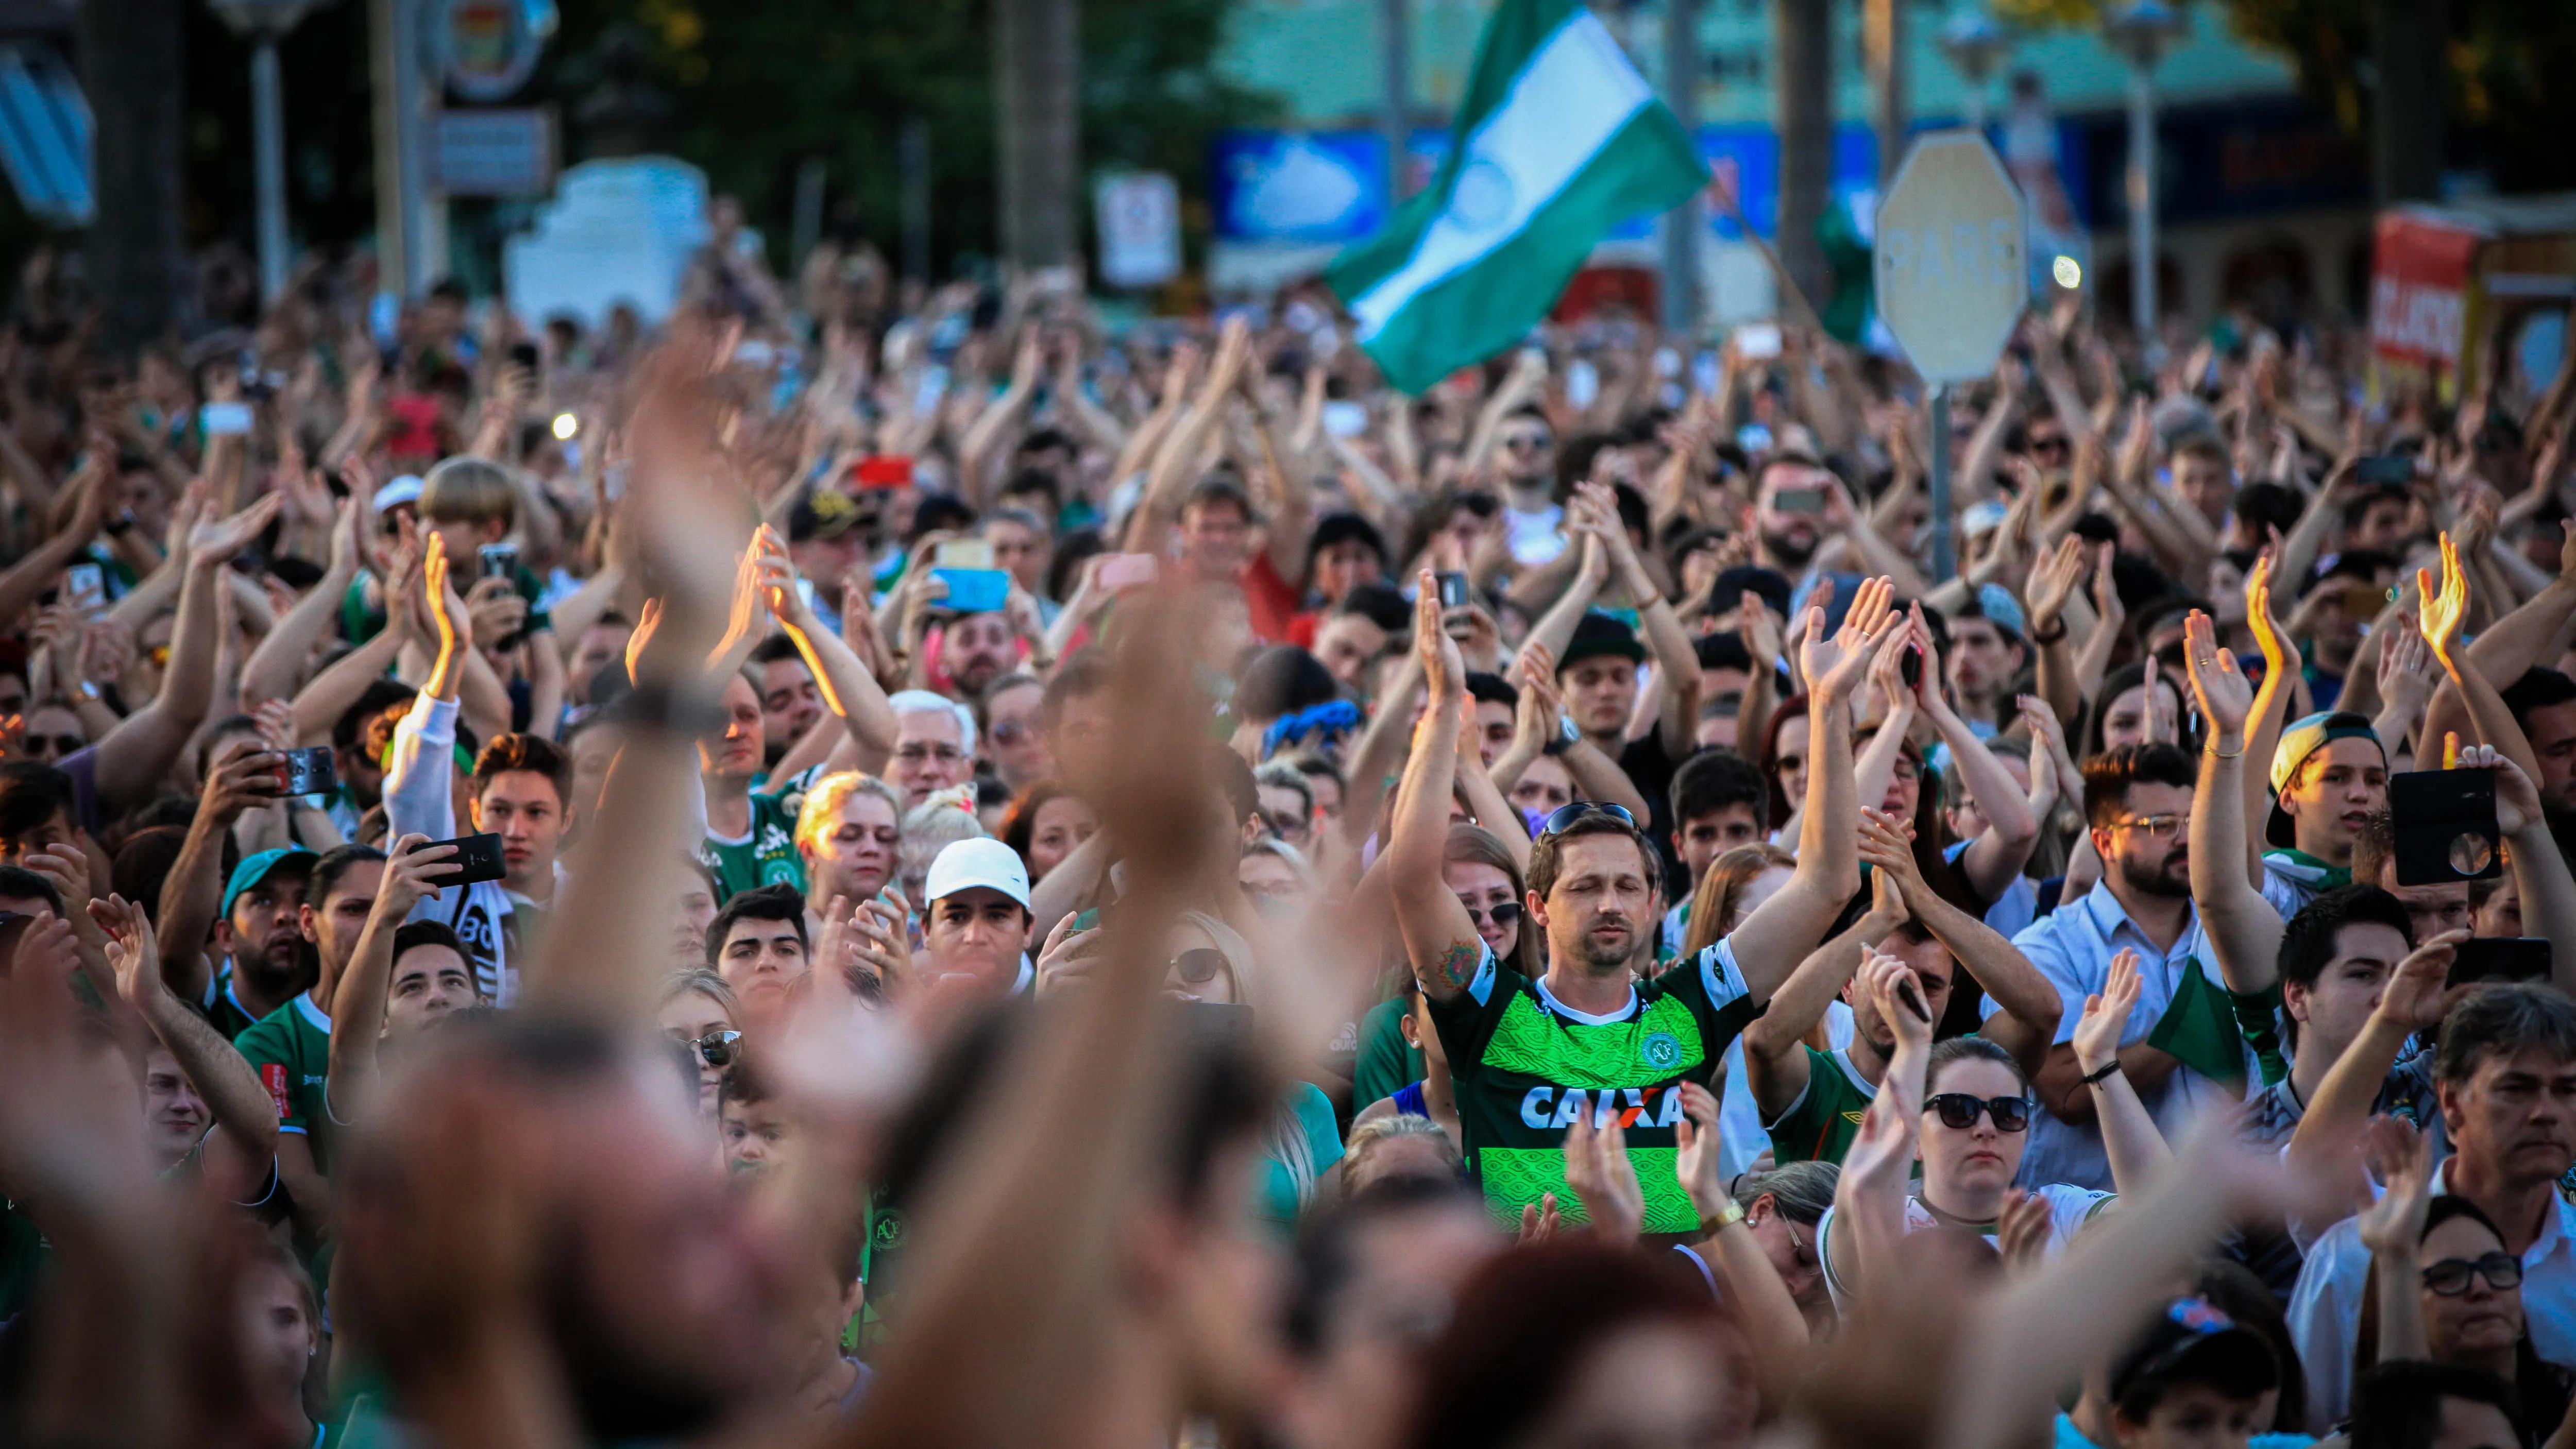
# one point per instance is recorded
(1802, 40)
(1395, 108)
(1038, 49)
(1684, 225)
(1883, 41)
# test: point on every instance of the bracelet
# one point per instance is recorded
(2044, 640)
(1722, 1219)
(2215, 753)
(2097, 1078)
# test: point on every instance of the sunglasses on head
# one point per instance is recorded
(2450, 1277)
(719, 1048)
(1565, 815)
(1959, 1111)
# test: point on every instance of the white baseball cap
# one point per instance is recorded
(982, 861)
(405, 489)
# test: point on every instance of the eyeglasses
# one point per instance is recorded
(1504, 915)
(2450, 1277)
(2050, 444)
(2162, 827)
(1526, 442)
(717, 1048)
(1959, 1111)
(1566, 815)
(1010, 731)
(1199, 965)
(1286, 824)
(50, 746)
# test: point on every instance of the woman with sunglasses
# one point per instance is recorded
(2442, 1286)
(1964, 1109)
(699, 1014)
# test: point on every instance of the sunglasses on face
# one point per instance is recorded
(50, 746)
(1526, 442)
(718, 1048)
(2450, 1277)
(1566, 815)
(2048, 445)
(1504, 915)
(1959, 1111)
(1198, 966)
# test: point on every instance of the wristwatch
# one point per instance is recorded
(1722, 1219)
(1567, 737)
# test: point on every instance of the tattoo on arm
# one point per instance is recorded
(1457, 964)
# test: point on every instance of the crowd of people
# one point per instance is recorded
(885, 865)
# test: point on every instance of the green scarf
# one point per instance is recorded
(2199, 1027)
(2306, 869)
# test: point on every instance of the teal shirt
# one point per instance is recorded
(1305, 1111)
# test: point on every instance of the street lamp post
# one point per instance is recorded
(2141, 31)
(1976, 46)
(266, 22)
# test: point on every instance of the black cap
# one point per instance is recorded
(1335, 528)
(1771, 584)
(2192, 1340)
(1597, 634)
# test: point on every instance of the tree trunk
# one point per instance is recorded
(2410, 44)
(131, 71)
(1038, 53)
(1802, 34)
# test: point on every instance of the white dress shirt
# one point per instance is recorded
(2325, 1308)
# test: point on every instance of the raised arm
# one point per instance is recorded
(2333, 1122)
(1439, 940)
(1780, 932)
(2129, 1136)
(1775, 1049)
(1996, 856)
(2027, 1008)
(1775, 1330)
(1676, 660)
(244, 775)
(848, 689)
(419, 781)
(2393, 1229)
(1869, 1201)
(275, 667)
(1176, 460)
(243, 1141)
(2445, 615)
(34, 573)
(2243, 929)
(2539, 871)
(358, 1003)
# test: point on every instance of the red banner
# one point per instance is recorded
(2419, 290)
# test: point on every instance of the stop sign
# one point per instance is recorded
(1952, 259)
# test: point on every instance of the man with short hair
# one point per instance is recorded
(790, 700)
(37, 810)
(1986, 653)
(290, 1047)
(1077, 715)
(1497, 709)
(2505, 1073)
(1719, 800)
(523, 793)
(2336, 957)
(974, 922)
(934, 747)
(1587, 1042)
(231, 943)
(2543, 702)
(976, 649)
(2138, 803)
(2205, 479)
(758, 944)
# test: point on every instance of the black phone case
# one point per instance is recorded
(2499, 958)
(477, 858)
(2436, 814)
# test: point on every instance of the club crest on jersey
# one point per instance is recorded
(1661, 1050)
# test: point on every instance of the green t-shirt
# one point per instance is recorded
(765, 856)
(1526, 1067)
(290, 1048)
(1385, 1063)
(222, 1008)
(1820, 1125)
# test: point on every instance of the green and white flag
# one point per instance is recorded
(1559, 140)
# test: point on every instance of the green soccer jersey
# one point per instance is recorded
(766, 855)
(1527, 1066)
(1820, 1125)
(290, 1048)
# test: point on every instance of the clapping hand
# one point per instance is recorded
(2226, 697)
(1834, 667)
(2106, 1015)
(1599, 1172)
(2398, 1156)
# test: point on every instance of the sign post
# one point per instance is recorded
(1951, 264)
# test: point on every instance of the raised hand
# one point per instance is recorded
(244, 776)
(2415, 995)
(1598, 1170)
(2106, 1014)
(2226, 696)
(1834, 667)
(2022, 1231)
(411, 868)
(1760, 633)
(1888, 980)
(2106, 593)
(2517, 799)
(2053, 583)
(2398, 1156)
(221, 539)
(2407, 673)
(1442, 668)
(447, 613)
(2446, 612)
(1698, 1148)
(132, 954)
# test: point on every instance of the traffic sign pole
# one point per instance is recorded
(1944, 561)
